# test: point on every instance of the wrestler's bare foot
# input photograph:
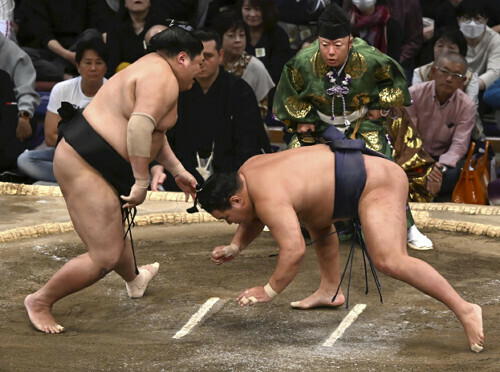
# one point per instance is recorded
(137, 287)
(319, 299)
(40, 315)
(473, 325)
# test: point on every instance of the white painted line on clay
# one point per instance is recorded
(346, 322)
(196, 318)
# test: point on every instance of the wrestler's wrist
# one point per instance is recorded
(231, 249)
(142, 183)
(271, 293)
(178, 169)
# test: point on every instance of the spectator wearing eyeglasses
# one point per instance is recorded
(449, 39)
(444, 117)
(483, 53)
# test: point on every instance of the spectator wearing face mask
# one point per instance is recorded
(483, 53)
(449, 39)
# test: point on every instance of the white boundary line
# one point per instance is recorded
(196, 318)
(346, 322)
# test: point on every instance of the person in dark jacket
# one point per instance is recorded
(59, 27)
(219, 125)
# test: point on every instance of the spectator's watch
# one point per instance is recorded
(443, 169)
(24, 114)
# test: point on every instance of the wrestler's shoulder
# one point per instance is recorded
(151, 65)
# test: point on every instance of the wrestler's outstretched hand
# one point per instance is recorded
(186, 183)
(224, 253)
(252, 296)
(136, 197)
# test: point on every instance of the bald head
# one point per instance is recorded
(453, 58)
(152, 32)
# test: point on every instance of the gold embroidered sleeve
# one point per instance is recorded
(295, 78)
(391, 97)
(297, 108)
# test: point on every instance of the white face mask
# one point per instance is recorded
(472, 29)
(364, 4)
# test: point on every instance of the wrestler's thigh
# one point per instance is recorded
(382, 214)
(92, 203)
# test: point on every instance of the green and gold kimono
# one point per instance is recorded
(377, 82)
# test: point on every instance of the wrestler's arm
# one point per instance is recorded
(149, 109)
(285, 229)
(245, 234)
(183, 178)
(139, 138)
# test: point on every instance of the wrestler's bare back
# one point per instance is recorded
(147, 86)
(309, 183)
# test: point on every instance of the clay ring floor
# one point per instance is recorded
(189, 319)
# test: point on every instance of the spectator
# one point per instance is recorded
(429, 13)
(299, 19)
(180, 10)
(237, 61)
(221, 109)
(18, 101)
(266, 40)
(60, 26)
(449, 39)
(7, 19)
(372, 22)
(446, 14)
(208, 10)
(24, 36)
(152, 31)
(444, 117)
(125, 40)
(91, 63)
(483, 53)
(492, 95)
(408, 14)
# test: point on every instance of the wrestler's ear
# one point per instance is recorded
(182, 57)
(236, 201)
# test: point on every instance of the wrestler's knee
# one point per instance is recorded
(389, 266)
(103, 272)
(107, 259)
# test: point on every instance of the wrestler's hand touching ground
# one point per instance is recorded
(225, 253)
(186, 183)
(136, 197)
(252, 296)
